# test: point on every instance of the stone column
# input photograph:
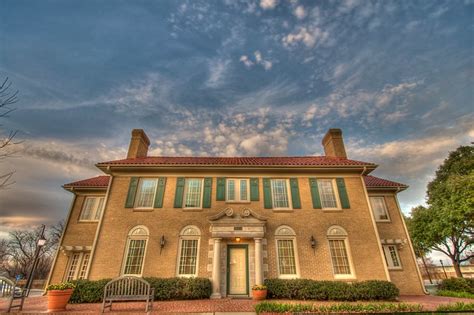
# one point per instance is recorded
(216, 270)
(258, 261)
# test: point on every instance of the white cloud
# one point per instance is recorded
(246, 61)
(308, 36)
(300, 12)
(268, 4)
(259, 60)
(217, 71)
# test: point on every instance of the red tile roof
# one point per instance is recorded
(238, 161)
(377, 182)
(99, 181)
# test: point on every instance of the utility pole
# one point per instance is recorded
(39, 244)
(444, 270)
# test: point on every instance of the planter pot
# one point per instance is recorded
(259, 294)
(57, 299)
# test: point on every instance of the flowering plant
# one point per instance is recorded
(61, 286)
(259, 287)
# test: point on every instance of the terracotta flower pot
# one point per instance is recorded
(259, 294)
(57, 299)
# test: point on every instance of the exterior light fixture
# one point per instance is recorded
(162, 243)
(39, 244)
(313, 243)
(237, 239)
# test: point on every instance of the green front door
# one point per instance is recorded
(237, 270)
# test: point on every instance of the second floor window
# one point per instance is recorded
(380, 208)
(280, 198)
(146, 193)
(327, 194)
(193, 193)
(237, 190)
(92, 209)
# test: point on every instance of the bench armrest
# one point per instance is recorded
(152, 293)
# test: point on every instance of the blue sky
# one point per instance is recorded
(231, 78)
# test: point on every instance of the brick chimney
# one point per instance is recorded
(334, 144)
(138, 144)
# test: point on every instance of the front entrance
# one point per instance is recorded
(237, 270)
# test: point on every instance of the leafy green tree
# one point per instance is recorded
(447, 225)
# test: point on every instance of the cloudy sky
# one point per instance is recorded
(231, 78)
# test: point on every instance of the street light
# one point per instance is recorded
(444, 270)
(39, 244)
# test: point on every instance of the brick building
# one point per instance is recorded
(237, 220)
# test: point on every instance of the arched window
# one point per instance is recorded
(287, 257)
(188, 251)
(339, 248)
(135, 252)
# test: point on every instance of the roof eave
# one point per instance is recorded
(395, 188)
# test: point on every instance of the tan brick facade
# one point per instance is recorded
(106, 240)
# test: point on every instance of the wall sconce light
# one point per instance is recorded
(162, 243)
(237, 239)
(313, 243)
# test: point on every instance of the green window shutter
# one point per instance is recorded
(295, 193)
(206, 199)
(132, 191)
(267, 194)
(313, 185)
(220, 189)
(254, 195)
(160, 192)
(178, 196)
(341, 187)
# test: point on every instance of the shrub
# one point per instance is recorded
(465, 295)
(269, 307)
(458, 285)
(304, 289)
(459, 306)
(165, 289)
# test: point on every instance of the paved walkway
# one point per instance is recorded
(35, 305)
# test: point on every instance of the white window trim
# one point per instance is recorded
(336, 194)
(80, 261)
(95, 210)
(237, 190)
(288, 192)
(386, 209)
(138, 191)
(125, 256)
(186, 192)
(344, 238)
(388, 257)
(188, 237)
(295, 248)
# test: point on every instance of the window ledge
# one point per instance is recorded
(283, 210)
(395, 269)
(344, 277)
(332, 210)
(383, 221)
(88, 221)
(192, 209)
(238, 202)
(143, 209)
(288, 277)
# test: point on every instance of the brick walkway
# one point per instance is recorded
(35, 305)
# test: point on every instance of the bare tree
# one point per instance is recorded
(7, 99)
(19, 251)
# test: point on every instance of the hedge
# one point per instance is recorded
(87, 291)
(305, 289)
(456, 307)
(457, 285)
(270, 307)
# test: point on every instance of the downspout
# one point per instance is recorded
(97, 232)
(409, 242)
(387, 274)
(61, 239)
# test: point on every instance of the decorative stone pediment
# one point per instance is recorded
(230, 223)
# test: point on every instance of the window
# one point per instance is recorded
(327, 193)
(146, 193)
(237, 190)
(338, 247)
(78, 263)
(135, 252)
(193, 193)
(286, 254)
(380, 208)
(189, 249)
(92, 209)
(391, 257)
(280, 197)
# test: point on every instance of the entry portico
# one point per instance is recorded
(233, 233)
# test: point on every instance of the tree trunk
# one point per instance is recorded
(457, 268)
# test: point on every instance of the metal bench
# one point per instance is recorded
(9, 289)
(128, 288)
